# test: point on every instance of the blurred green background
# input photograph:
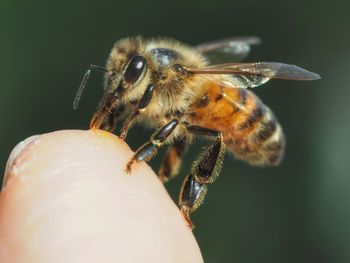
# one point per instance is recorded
(297, 212)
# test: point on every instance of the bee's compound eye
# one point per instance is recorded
(135, 68)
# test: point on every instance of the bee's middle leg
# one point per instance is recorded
(148, 150)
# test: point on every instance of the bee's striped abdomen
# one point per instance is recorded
(250, 129)
(258, 138)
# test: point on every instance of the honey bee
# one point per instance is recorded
(177, 90)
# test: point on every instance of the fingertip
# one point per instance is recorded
(68, 191)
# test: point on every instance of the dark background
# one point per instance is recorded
(297, 212)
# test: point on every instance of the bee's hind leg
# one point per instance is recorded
(172, 160)
(148, 150)
(204, 172)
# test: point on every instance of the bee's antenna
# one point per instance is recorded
(83, 84)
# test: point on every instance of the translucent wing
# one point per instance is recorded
(242, 81)
(232, 49)
(270, 70)
(237, 81)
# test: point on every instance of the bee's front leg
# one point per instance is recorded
(148, 150)
(109, 124)
(141, 106)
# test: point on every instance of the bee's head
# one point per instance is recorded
(126, 77)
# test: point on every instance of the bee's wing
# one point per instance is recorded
(232, 49)
(251, 75)
(237, 81)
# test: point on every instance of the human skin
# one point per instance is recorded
(67, 198)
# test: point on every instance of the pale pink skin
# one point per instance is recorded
(67, 198)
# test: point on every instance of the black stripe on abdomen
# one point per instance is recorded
(266, 130)
(254, 116)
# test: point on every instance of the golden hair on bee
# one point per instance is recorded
(176, 89)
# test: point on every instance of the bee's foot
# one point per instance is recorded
(123, 135)
(185, 210)
(128, 166)
(164, 179)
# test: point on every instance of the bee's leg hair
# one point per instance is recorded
(204, 172)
